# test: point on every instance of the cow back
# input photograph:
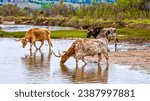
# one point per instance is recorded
(91, 47)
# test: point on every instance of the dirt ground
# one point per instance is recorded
(138, 59)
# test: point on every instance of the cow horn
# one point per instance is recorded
(56, 55)
(59, 53)
(83, 29)
(17, 39)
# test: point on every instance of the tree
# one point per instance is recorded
(9, 10)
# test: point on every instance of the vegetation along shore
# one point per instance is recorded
(133, 35)
(130, 17)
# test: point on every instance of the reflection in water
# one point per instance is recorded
(37, 66)
(80, 75)
(40, 67)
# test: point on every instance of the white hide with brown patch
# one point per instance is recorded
(86, 47)
(109, 33)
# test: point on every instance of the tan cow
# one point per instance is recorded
(36, 34)
(86, 47)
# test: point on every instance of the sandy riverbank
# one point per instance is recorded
(138, 59)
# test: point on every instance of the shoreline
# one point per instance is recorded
(75, 22)
(136, 59)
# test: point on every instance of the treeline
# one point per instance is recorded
(122, 9)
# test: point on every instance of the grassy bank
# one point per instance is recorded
(55, 34)
(124, 34)
(68, 34)
(11, 34)
(137, 35)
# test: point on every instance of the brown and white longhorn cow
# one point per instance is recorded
(100, 32)
(86, 47)
(36, 34)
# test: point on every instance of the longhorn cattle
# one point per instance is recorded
(36, 34)
(100, 32)
(94, 32)
(81, 74)
(86, 47)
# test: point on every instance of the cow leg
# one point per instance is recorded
(77, 62)
(35, 46)
(115, 46)
(106, 56)
(83, 60)
(30, 47)
(99, 58)
(115, 43)
(49, 43)
(42, 42)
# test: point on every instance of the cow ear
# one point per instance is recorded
(64, 52)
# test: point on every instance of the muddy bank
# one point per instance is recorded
(71, 22)
(138, 59)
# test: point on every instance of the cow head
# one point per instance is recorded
(109, 32)
(89, 33)
(63, 56)
(94, 32)
(66, 54)
(24, 42)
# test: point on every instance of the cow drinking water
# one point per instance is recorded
(85, 47)
(36, 34)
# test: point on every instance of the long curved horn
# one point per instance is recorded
(56, 55)
(59, 53)
(83, 29)
(17, 39)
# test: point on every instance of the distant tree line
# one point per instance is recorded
(130, 9)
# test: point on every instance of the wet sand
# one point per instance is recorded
(139, 59)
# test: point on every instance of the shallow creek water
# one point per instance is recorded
(20, 66)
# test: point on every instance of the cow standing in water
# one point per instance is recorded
(36, 34)
(86, 47)
(100, 32)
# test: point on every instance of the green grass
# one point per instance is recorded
(126, 34)
(144, 21)
(134, 32)
(55, 34)
(68, 34)
(11, 34)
